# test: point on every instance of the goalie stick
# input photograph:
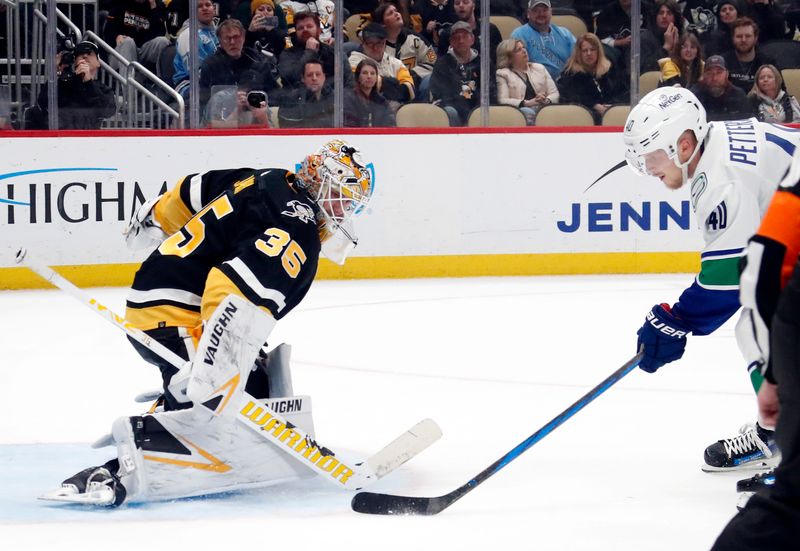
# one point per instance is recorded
(388, 504)
(279, 431)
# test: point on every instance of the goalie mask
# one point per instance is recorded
(655, 125)
(339, 181)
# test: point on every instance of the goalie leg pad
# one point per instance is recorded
(177, 454)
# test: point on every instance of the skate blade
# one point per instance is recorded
(102, 497)
(744, 497)
(758, 465)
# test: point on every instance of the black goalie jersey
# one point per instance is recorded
(243, 231)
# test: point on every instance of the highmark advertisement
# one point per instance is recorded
(437, 196)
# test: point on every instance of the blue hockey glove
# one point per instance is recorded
(663, 336)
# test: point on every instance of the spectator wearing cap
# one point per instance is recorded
(306, 45)
(395, 83)
(723, 101)
(83, 102)
(456, 79)
(719, 39)
(465, 11)
(744, 59)
(546, 43)
(416, 54)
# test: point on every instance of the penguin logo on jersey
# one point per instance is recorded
(301, 211)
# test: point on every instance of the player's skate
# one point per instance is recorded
(753, 448)
(93, 486)
(755, 484)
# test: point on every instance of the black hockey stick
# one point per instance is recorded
(387, 504)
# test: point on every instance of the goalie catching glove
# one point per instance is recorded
(143, 229)
(663, 337)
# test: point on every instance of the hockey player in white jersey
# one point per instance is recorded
(733, 168)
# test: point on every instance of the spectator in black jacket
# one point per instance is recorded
(227, 65)
(456, 78)
(590, 79)
(306, 46)
(719, 40)
(138, 31)
(723, 101)
(465, 11)
(743, 61)
(263, 32)
(310, 105)
(83, 102)
(364, 106)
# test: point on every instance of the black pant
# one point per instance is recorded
(175, 342)
(772, 520)
(257, 382)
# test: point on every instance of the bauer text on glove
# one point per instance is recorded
(663, 337)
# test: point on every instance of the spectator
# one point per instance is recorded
(665, 27)
(83, 102)
(521, 84)
(455, 83)
(547, 44)
(396, 82)
(207, 44)
(769, 101)
(311, 105)
(263, 32)
(590, 79)
(719, 40)
(177, 13)
(699, 17)
(744, 59)
(436, 15)
(410, 48)
(306, 46)
(5, 108)
(240, 106)
(323, 9)
(226, 66)
(768, 19)
(242, 12)
(137, 29)
(614, 28)
(364, 106)
(723, 101)
(685, 66)
(465, 11)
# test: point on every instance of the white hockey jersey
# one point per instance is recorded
(741, 166)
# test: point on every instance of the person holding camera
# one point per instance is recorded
(225, 67)
(242, 106)
(83, 102)
(263, 33)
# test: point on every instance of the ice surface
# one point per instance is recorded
(490, 359)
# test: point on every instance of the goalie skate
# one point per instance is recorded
(753, 448)
(92, 486)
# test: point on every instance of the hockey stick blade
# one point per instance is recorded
(403, 448)
(373, 503)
